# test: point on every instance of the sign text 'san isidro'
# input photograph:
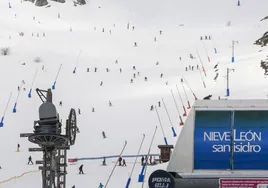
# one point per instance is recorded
(242, 141)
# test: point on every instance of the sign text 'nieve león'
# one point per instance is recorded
(242, 141)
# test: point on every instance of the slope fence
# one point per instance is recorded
(115, 156)
(17, 177)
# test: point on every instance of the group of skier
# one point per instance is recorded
(191, 68)
(144, 160)
(205, 37)
(152, 106)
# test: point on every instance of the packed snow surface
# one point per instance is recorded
(74, 37)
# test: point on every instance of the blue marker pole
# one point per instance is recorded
(172, 128)
(233, 59)
(142, 174)
(54, 84)
(165, 138)
(74, 71)
(228, 89)
(129, 179)
(16, 102)
(30, 92)
(3, 117)
(215, 49)
(233, 46)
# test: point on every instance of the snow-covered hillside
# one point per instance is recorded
(74, 37)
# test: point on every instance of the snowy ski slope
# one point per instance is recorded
(182, 23)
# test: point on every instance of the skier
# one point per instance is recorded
(145, 79)
(73, 186)
(146, 159)
(104, 161)
(133, 28)
(103, 30)
(30, 160)
(101, 186)
(101, 83)
(152, 108)
(197, 67)
(181, 80)
(87, 69)
(150, 160)
(159, 104)
(166, 82)
(44, 34)
(135, 44)
(142, 160)
(110, 31)
(185, 68)
(192, 68)
(107, 70)
(155, 39)
(238, 3)
(110, 104)
(131, 81)
(161, 75)
(23, 82)
(18, 147)
(124, 162)
(95, 69)
(201, 38)
(157, 63)
(79, 111)
(60, 103)
(207, 97)
(180, 58)
(103, 135)
(209, 37)
(81, 169)
(160, 32)
(43, 67)
(120, 161)
(134, 75)
(18, 88)
(134, 68)
(138, 73)
(120, 70)
(93, 109)
(116, 61)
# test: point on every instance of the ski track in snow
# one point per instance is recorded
(130, 117)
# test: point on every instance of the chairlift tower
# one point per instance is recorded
(53, 143)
